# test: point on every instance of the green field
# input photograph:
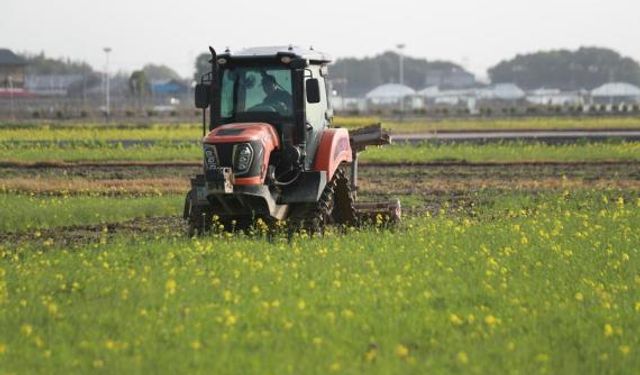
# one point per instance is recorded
(193, 131)
(96, 132)
(425, 152)
(21, 212)
(498, 266)
(553, 123)
(544, 283)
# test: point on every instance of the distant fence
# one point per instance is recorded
(64, 108)
(131, 109)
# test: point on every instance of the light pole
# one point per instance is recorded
(401, 64)
(13, 117)
(400, 47)
(107, 50)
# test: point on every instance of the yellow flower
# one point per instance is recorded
(542, 357)
(491, 320)
(455, 320)
(371, 354)
(463, 358)
(196, 345)
(110, 344)
(231, 320)
(170, 286)
(3, 348)
(301, 305)
(53, 308)
(608, 330)
(624, 349)
(26, 329)
(402, 351)
(347, 313)
(579, 297)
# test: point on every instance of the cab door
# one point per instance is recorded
(317, 114)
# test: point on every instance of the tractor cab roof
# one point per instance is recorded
(260, 53)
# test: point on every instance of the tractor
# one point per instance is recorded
(270, 150)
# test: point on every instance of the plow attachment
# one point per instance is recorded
(378, 212)
(371, 212)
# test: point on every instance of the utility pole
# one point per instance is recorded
(401, 63)
(400, 47)
(13, 117)
(107, 50)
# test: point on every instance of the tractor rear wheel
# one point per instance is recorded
(335, 205)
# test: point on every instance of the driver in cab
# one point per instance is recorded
(277, 97)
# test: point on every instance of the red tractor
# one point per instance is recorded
(270, 151)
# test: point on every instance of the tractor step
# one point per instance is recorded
(375, 212)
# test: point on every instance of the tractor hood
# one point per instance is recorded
(244, 132)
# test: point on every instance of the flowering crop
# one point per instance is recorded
(529, 284)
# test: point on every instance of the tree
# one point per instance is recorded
(358, 76)
(585, 68)
(139, 87)
(202, 65)
(39, 64)
(159, 72)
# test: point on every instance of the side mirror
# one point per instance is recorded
(203, 95)
(313, 91)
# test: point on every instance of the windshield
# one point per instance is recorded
(255, 90)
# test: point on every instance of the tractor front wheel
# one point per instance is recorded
(199, 218)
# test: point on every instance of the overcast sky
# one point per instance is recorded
(474, 33)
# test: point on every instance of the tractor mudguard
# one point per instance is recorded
(307, 188)
(334, 149)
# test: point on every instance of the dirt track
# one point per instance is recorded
(422, 187)
(79, 234)
(378, 178)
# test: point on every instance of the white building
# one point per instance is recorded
(616, 93)
(393, 94)
(502, 91)
(554, 97)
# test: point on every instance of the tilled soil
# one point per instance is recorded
(80, 234)
(421, 188)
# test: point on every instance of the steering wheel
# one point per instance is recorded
(262, 108)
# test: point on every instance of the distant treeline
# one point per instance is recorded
(585, 68)
(355, 77)
(40, 64)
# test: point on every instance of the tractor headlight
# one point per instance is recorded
(210, 159)
(242, 157)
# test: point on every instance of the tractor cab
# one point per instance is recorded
(285, 87)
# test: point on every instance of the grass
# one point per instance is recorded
(483, 124)
(23, 212)
(95, 133)
(193, 131)
(99, 151)
(426, 152)
(530, 284)
(505, 152)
